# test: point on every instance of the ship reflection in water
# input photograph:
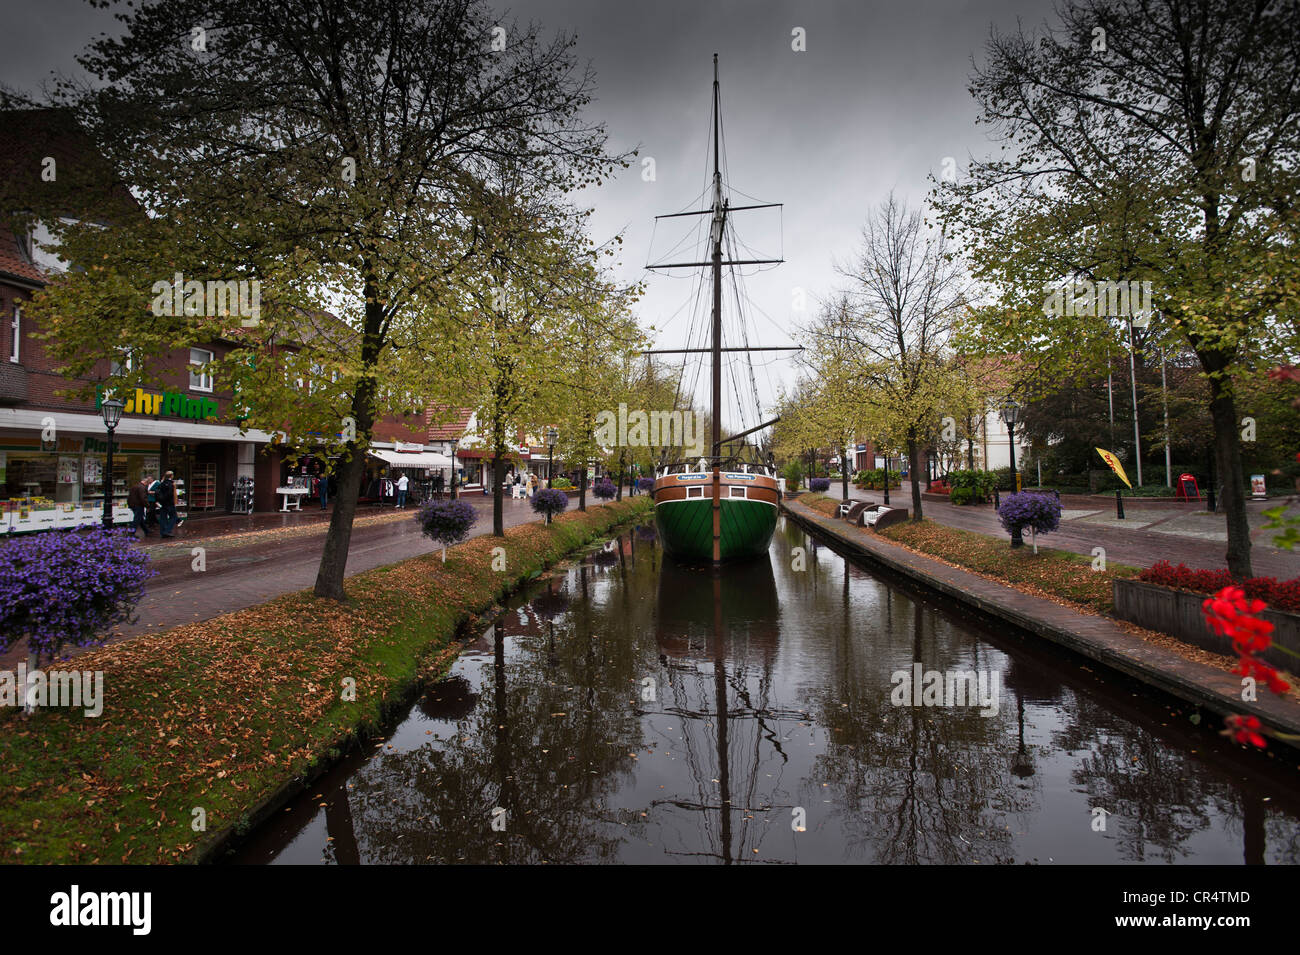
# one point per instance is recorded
(631, 709)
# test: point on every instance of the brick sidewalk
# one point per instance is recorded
(262, 566)
(1147, 536)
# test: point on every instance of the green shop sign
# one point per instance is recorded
(169, 403)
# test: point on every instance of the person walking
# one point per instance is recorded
(402, 483)
(323, 482)
(138, 499)
(166, 495)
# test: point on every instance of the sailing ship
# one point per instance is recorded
(718, 508)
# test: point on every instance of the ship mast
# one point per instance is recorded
(715, 237)
(718, 210)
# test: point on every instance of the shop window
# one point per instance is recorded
(124, 362)
(16, 333)
(200, 376)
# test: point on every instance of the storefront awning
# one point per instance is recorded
(409, 459)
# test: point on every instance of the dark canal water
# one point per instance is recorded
(631, 710)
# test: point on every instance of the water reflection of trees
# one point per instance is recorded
(552, 773)
(946, 785)
(914, 784)
(744, 662)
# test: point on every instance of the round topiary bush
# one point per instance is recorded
(604, 489)
(550, 501)
(446, 522)
(1041, 513)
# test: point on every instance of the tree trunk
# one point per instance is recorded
(915, 475)
(844, 475)
(334, 556)
(582, 488)
(618, 491)
(1227, 452)
(498, 510)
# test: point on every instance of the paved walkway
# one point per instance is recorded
(1195, 538)
(282, 558)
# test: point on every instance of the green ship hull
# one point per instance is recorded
(686, 528)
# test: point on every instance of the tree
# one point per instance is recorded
(905, 290)
(339, 154)
(599, 339)
(1150, 140)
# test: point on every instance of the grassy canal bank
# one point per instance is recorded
(1051, 573)
(209, 726)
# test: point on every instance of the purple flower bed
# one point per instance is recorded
(62, 588)
(1039, 512)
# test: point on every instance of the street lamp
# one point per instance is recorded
(455, 443)
(886, 478)
(112, 412)
(552, 436)
(1010, 412)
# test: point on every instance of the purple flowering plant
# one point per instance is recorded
(446, 522)
(550, 502)
(819, 484)
(1040, 513)
(604, 489)
(645, 484)
(68, 588)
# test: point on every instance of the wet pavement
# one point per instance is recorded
(241, 572)
(632, 710)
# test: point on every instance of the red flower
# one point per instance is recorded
(1244, 729)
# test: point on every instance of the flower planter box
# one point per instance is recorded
(1178, 613)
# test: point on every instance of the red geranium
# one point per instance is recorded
(1230, 613)
(1244, 729)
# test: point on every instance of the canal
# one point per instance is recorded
(631, 710)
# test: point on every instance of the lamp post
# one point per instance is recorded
(455, 443)
(552, 436)
(886, 479)
(112, 413)
(1010, 412)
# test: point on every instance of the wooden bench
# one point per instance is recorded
(878, 517)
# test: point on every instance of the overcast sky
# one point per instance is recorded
(875, 102)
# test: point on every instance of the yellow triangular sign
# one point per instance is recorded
(1114, 465)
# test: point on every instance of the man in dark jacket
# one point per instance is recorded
(137, 499)
(167, 506)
